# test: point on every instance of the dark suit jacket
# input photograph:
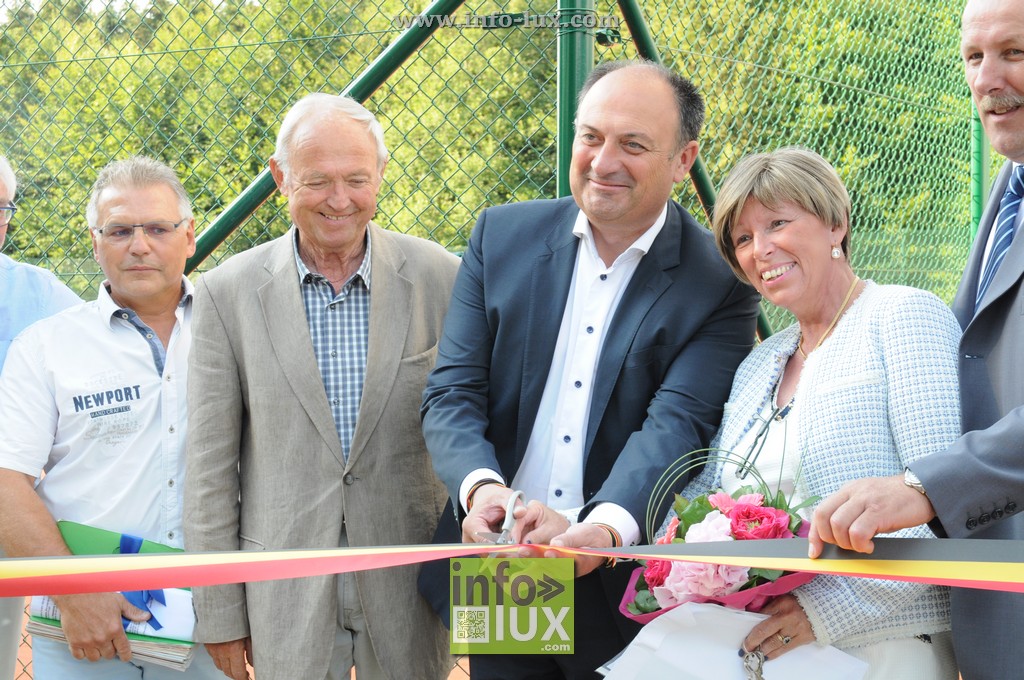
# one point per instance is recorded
(977, 485)
(682, 326)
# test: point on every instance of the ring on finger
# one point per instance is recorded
(784, 639)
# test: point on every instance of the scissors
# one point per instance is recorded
(505, 537)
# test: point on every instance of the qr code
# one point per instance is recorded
(472, 624)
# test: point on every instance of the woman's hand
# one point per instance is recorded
(786, 628)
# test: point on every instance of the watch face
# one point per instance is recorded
(911, 480)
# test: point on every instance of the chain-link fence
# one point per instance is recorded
(874, 85)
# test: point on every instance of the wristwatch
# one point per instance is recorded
(911, 480)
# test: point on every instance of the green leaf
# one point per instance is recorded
(693, 513)
(766, 574)
(743, 491)
(643, 603)
(680, 505)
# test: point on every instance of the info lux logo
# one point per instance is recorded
(511, 606)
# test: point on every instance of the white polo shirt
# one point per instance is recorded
(86, 396)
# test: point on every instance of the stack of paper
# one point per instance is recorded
(170, 646)
(161, 647)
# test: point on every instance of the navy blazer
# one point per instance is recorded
(977, 485)
(682, 327)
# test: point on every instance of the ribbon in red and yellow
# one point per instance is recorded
(993, 565)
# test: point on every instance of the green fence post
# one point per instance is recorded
(262, 187)
(980, 165)
(575, 60)
(647, 49)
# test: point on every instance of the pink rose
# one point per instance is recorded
(726, 503)
(670, 534)
(688, 580)
(655, 572)
(714, 527)
(752, 521)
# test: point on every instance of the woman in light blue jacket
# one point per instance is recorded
(862, 384)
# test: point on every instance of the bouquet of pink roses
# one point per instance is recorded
(745, 515)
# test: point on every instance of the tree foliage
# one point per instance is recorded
(874, 85)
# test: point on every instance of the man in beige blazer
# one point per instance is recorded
(309, 357)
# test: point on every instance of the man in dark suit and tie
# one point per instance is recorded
(974, 489)
(590, 342)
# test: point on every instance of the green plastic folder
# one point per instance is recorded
(83, 539)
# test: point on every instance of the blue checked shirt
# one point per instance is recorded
(339, 326)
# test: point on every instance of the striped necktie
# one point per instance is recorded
(1005, 221)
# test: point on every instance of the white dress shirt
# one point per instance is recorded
(89, 398)
(552, 468)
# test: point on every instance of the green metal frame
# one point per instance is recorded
(980, 166)
(263, 186)
(575, 60)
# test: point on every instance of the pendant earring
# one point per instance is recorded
(836, 252)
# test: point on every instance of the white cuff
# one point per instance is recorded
(478, 475)
(618, 518)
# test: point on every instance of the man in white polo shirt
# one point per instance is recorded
(95, 397)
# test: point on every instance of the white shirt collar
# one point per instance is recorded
(639, 248)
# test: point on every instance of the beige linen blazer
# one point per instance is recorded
(265, 470)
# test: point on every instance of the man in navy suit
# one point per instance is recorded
(975, 488)
(590, 342)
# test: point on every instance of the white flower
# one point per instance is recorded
(714, 527)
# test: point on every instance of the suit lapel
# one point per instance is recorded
(967, 292)
(390, 314)
(550, 280)
(288, 328)
(647, 285)
(1013, 263)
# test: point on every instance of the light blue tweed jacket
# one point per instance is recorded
(880, 392)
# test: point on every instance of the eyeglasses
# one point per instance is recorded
(124, 232)
(777, 414)
(7, 213)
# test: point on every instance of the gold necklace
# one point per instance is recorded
(835, 320)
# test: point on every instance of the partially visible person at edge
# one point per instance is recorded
(833, 397)
(27, 294)
(590, 339)
(116, 466)
(311, 353)
(975, 487)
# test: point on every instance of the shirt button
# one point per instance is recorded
(171, 429)
(578, 384)
(566, 439)
(170, 534)
(168, 377)
(149, 335)
(170, 483)
(336, 401)
(558, 493)
(590, 329)
(604, 277)
(334, 353)
(331, 307)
